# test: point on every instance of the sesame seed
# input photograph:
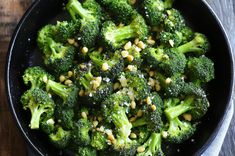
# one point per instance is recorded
(62, 78)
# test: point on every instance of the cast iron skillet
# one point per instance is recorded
(23, 53)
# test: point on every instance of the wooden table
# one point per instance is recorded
(11, 142)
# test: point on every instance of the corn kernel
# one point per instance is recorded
(81, 93)
(130, 58)
(116, 86)
(187, 117)
(111, 137)
(128, 45)
(105, 66)
(139, 113)
(148, 100)
(133, 136)
(84, 50)
(70, 73)
(133, 104)
(124, 53)
(141, 45)
(95, 123)
(140, 149)
(68, 82)
(136, 41)
(84, 115)
(168, 80)
(153, 107)
(132, 119)
(71, 41)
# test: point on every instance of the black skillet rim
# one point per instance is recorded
(8, 88)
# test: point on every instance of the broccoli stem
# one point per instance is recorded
(55, 48)
(123, 33)
(139, 122)
(155, 142)
(192, 46)
(173, 112)
(175, 124)
(168, 4)
(35, 118)
(58, 89)
(121, 121)
(86, 80)
(75, 8)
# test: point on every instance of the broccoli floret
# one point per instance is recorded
(39, 103)
(201, 69)
(120, 10)
(136, 85)
(65, 116)
(169, 61)
(174, 21)
(95, 88)
(115, 64)
(114, 37)
(69, 94)
(114, 109)
(61, 138)
(45, 33)
(154, 10)
(152, 146)
(179, 131)
(99, 140)
(65, 30)
(173, 86)
(85, 151)
(176, 38)
(195, 103)
(47, 125)
(142, 133)
(34, 76)
(80, 132)
(89, 16)
(198, 45)
(134, 51)
(151, 118)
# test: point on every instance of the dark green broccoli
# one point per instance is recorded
(64, 115)
(61, 138)
(120, 10)
(151, 118)
(85, 151)
(142, 133)
(80, 132)
(114, 37)
(154, 10)
(107, 67)
(89, 16)
(99, 140)
(34, 76)
(65, 30)
(178, 131)
(69, 94)
(39, 103)
(170, 62)
(176, 38)
(195, 103)
(95, 88)
(201, 69)
(47, 125)
(152, 147)
(173, 86)
(57, 57)
(174, 21)
(114, 109)
(136, 85)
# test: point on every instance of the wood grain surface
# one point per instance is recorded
(11, 142)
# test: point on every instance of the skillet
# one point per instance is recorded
(23, 52)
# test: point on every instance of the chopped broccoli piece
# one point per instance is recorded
(47, 125)
(34, 76)
(99, 140)
(69, 94)
(201, 68)
(85, 151)
(174, 21)
(89, 16)
(152, 146)
(115, 64)
(61, 138)
(39, 103)
(114, 37)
